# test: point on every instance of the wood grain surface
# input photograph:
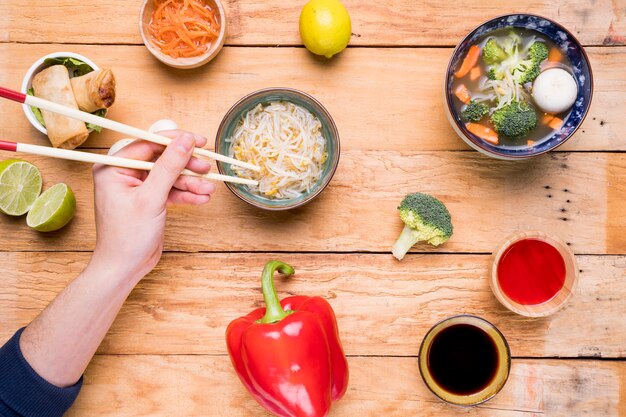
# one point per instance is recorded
(565, 194)
(207, 386)
(252, 22)
(384, 307)
(165, 354)
(381, 99)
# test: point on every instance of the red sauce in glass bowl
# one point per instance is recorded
(531, 272)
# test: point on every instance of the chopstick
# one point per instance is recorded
(112, 125)
(108, 160)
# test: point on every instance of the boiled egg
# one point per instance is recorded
(555, 90)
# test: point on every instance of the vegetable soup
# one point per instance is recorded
(514, 88)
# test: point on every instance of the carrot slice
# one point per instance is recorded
(483, 132)
(475, 73)
(555, 55)
(555, 123)
(546, 118)
(462, 93)
(470, 61)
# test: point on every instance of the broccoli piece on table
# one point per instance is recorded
(493, 53)
(515, 119)
(538, 52)
(475, 111)
(425, 219)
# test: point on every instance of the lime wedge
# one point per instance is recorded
(20, 184)
(53, 209)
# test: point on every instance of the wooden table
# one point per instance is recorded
(165, 354)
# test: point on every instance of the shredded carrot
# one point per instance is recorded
(475, 73)
(555, 55)
(470, 61)
(530, 142)
(183, 28)
(483, 132)
(462, 93)
(555, 123)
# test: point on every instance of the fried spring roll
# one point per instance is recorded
(53, 84)
(95, 90)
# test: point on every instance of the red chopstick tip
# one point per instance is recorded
(12, 95)
(8, 146)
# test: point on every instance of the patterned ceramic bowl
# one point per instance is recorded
(582, 73)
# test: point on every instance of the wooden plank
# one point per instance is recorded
(207, 386)
(383, 307)
(563, 194)
(395, 22)
(381, 99)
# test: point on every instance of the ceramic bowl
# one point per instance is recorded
(37, 67)
(329, 131)
(145, 15)
(582, 73)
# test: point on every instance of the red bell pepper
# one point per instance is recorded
(288, 355)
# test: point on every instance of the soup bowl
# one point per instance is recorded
(247, 103)
(581, 68)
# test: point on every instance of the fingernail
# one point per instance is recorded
(210, 187)
(186, 142)
(199, 138)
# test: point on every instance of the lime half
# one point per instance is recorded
(53, 209)
(20, 184)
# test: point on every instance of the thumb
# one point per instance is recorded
(170, 164)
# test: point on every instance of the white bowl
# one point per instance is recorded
(37, 67)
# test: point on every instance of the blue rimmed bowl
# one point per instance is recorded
(247, 103)
(582, 74)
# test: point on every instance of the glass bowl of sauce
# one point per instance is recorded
(464, 360)
(534, 274)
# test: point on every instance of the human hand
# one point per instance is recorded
(131, 205)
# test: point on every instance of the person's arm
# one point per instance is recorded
(130, 220)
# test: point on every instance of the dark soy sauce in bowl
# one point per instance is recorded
(463, 359)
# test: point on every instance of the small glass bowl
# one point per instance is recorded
(560, 299)
(496, 384)
(247, 103)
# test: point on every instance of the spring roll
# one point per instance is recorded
(53, 84)
(94, 90)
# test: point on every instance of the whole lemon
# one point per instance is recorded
(325, 27)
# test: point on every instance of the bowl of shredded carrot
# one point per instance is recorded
(183, 33)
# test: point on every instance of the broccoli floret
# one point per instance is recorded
(493, 53)
(529, 69)
(526, 71)
(538, 52)
(511, 43)
(425, 219)
(495, 74)
(515, 119)
(475, 111)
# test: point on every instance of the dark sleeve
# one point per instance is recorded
(23, 393)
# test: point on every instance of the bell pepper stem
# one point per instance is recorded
(273, 310)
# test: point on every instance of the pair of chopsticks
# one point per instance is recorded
(112, 125)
